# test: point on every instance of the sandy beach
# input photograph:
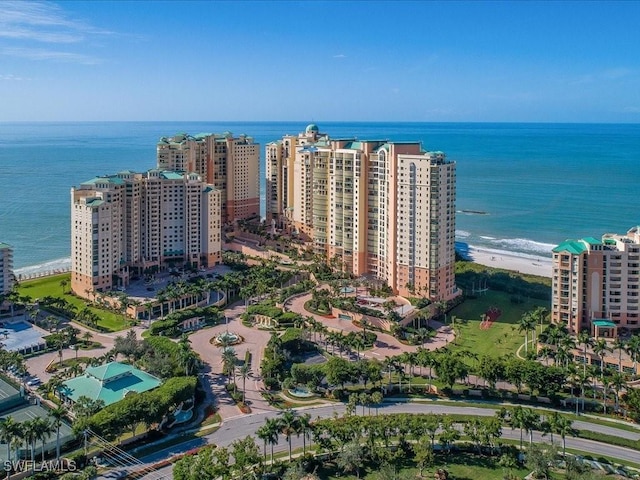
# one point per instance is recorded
(517, 262)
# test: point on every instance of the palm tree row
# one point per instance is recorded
(422, 430)
(288, 424)
(29, 432)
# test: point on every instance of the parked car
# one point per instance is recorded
(34, 382)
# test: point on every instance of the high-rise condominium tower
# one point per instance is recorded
(231, 164)
(6, 268)
(128, 222)
(596, 283)
(375, 207)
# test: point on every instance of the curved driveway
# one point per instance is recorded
(254, 341)
(386, 345)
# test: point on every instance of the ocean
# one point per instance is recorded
(521, 187)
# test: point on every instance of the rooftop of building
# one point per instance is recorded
(4, 245)
(7, 391)
(18, 335)
(181, 138)
(116, 179)
(592, 241)
(112, 179)
(110, 383)
(94, 202)
(574, 247)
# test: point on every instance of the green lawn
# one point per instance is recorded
(50, 286)
(502, 338)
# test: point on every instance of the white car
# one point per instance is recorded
(34, 382)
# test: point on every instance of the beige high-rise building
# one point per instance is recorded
(596, 283)
(131, 221)
(231, 164)
(6, 268)
(373, 207)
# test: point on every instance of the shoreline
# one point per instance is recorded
(508, 260)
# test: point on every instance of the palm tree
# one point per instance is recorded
(619, 344)
(229, 359)
(43, 428)
(618, 382)
(267, 435)
(526, 324)
(30, 435)
(563, 426)
(531, 422)
(87, 336)
(304, 427)
(585, 340)
(288, 422)
(633, 349)
(272, 425)
(57, 415)
(245, 372)
(539, 314)
(601, 348)
(8, 433)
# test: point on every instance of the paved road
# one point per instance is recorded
(246, 425)
(37, 365)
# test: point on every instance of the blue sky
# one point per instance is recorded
(343, 61)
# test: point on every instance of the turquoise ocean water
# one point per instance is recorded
(538, 183)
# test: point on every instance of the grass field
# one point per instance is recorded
(502, 338)
(50, 286)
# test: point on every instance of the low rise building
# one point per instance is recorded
(108, 383)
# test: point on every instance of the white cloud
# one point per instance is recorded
(24, 23)
(11, 76)
(340, 55)
(44, 54)
(594, 77)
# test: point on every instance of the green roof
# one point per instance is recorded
(603, 323)
(110, 179)
(574, 247)
(110, 383)
(353, 146)
(610, 241)
(108, 370)
(5, 245)
(592, 241)
(171, 175)
(94, 202)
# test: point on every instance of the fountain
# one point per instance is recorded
(227, 338)
(301, 392)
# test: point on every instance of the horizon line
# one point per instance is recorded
(472, 122)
